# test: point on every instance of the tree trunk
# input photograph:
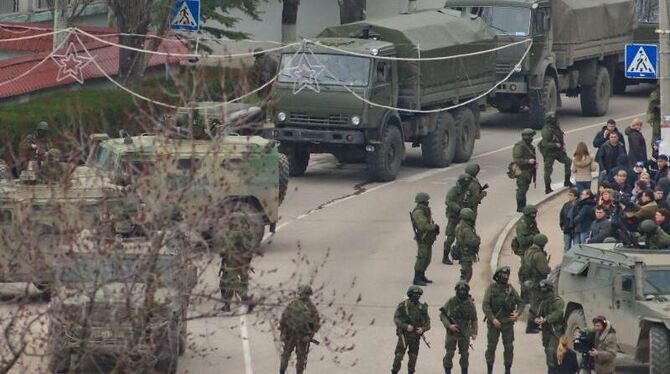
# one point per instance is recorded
(352, 10)
(289, 19)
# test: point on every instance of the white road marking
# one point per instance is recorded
(246, 349)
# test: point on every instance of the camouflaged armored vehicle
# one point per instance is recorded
(631, 287)
(203, 178)
(129, 304)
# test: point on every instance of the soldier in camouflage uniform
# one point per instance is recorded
(35, 146)
(459, 317)
(466, 247)
(526, 229)
(501, 307)
(523, 155)
(299, 323)
(536, 268)
(550, 318)
(552, 148)
(655, 237)
(51, 170)
(234, 270)
(477, 192)
(455, 201)
(426, 232)
(411, 321)
(654, 114)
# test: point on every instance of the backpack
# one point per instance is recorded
(513, 170)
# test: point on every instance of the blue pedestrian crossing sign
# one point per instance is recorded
(641, 61)
(185, 15)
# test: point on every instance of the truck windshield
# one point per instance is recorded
(647, 11)
(505, 20)
(326, 69)
(657, 282)
(104, 159)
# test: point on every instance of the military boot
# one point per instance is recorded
(226, 307)
(447, 370)
(445, 256)
(567, 182)
(508, 368)
(282, 371)
(423, 277)
(547, 188)
(464, 370)
(520, 204)
(489, 367)
(418, 281)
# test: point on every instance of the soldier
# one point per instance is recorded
(523, 156)
(526, 229)
(425, 233)
(654, 114)
(299, 323)
(234, 270)
(459, 317)
(466, 247)
(477, 192)
(550, 318)
(501, 308)
(455, 201)
(52, 170)
(552, 148)
(536, 268)
(35, 145)
(656, 238)
(411, 321)
(265, 69)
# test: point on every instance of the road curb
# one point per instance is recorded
(497, 248)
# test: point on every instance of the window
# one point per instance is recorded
(188, 164)
(9, 6)
(603, 273)
(627, 284)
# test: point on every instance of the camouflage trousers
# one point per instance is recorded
(234, 281)
(549, 166)
(534, 301)
(406, 343)
(550, 344)
(301, 346)
(424, 255)
(522, 186)
(450, 232)
(493, 335)
(463, 344)
(524, 290)
(466, 269)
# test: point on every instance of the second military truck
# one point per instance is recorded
(359, 92)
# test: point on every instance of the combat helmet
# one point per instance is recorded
(550, 117)
(305, 290)
(43, 126)
(467, 214)
(528, 132)
(529, 209)
(464, 180)
(648, 226)
(462, 285)
(414, 290)
(540, 240)
(472, 169)
(421, 197)
(502, 269)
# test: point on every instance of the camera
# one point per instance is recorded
(583, 343)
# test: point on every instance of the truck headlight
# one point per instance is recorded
(281, 116)
(356, 120)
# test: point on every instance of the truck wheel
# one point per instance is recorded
(541, 102)
(298, 158)
(438, 147)
(619, 87)
(284, 172)
(595, 99)
(246, 216)
(467, 132)
(384, 162)
(659, 350)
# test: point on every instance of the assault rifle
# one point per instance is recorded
(453, 322)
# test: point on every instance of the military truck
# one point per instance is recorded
(631, 287)
(200, 177)
(351, 92)
(129, 301)
(577, 46)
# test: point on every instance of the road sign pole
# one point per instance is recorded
(664, 55)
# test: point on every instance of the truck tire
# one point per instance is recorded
(595, 99)
(249, 217)
(384, 163)
(467, 132)
(284, 172)
(541, 102)
(659, 350)
(619, 84)
(298, 159)
(438, 147)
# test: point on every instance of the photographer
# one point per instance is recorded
(605, 346)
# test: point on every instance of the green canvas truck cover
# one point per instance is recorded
(433, 33)
(580, 21)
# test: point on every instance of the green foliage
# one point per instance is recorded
(219, 12)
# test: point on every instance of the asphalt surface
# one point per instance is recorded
(353, 240)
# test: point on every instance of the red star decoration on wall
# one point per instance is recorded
(71, 64)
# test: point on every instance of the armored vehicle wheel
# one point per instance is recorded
(467, 133)
(659, 350)
(619, 87)
(283, 176)
(542, 102)
(595, 99)
(438, 147)
(384, 162)
(298, 159)
(247, 216)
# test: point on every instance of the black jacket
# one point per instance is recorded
(583, 215)
(599, 139)
(600, 230)
(609, 155)
(565, 218)
(637, 147)
(569, 364)
(657, 174)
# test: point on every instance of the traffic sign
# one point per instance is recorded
(185, 15)
(641, 61)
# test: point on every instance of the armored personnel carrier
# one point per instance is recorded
(631, 287)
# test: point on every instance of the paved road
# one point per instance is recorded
(359, 237)
(365, 231)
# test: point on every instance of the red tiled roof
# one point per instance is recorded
(45, 75)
